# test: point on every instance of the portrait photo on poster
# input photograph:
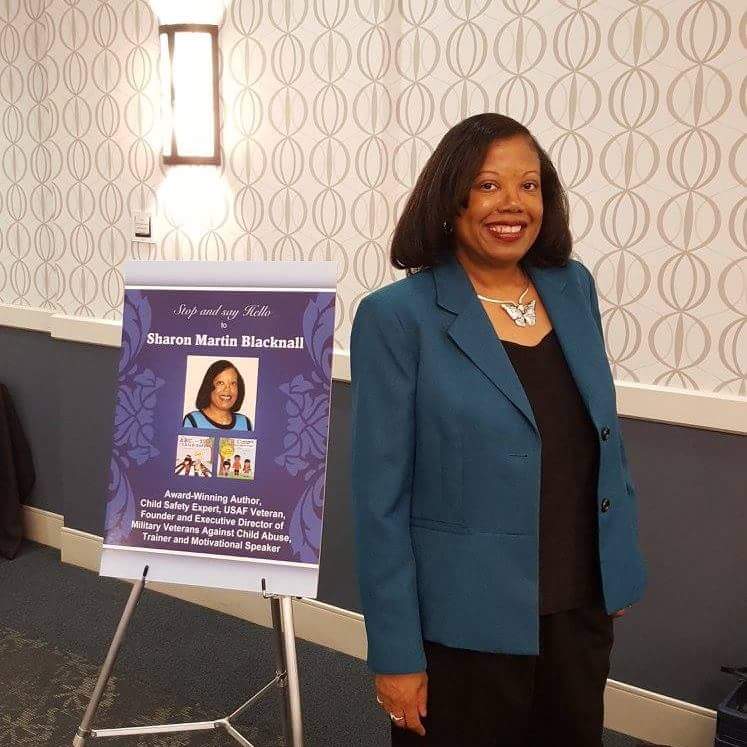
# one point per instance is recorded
(220, 393)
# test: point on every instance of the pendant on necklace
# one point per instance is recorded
(523, 314)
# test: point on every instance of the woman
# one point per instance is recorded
(495, 515)
(219, 398)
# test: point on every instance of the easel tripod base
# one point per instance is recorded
(225, 724)
(286, 679)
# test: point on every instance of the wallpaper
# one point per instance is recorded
(329, 110)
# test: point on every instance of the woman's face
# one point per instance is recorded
(504, 213)
(225, 389)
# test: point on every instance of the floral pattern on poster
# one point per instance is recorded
(134, 417)
(305, 440)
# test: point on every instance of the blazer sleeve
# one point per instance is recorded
(383, 361)
(594, 303)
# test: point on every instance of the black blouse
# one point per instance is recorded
(569, 575)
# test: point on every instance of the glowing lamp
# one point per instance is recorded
(190, 96)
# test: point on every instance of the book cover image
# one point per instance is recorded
(194, 456)
(236, 458)
(221, 422)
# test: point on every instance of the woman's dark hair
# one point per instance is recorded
(203, 395)
(442, 191)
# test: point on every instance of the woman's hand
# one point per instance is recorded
(403, 697)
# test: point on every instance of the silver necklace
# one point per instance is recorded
(523, 314)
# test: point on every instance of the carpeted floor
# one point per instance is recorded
(180, 663)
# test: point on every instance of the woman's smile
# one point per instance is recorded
(506, 231)
(225, 401)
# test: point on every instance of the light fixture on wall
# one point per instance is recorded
(188, 33)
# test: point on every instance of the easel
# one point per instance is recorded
(286, 679)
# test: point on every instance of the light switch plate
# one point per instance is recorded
(142, 227)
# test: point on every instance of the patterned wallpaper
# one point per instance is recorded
(330, 109)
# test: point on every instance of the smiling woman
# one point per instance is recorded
(487, 460)
(219, 399)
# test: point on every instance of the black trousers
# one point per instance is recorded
(479, 699)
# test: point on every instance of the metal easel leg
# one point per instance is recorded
(285, 664)
(281, 668)
(293, 688)
(84, 730)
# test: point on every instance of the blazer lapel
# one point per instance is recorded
(569, 313)
(472, 331)
(576, 332)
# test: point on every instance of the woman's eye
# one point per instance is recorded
(531, 185)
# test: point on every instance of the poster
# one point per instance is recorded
(221, 422)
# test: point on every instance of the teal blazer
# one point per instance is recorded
(446, 467)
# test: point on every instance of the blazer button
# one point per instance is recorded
(606, 503)
(605, 433)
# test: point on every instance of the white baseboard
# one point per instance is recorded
(629, 710)
(657, 718)
(80, 548)
(42, 526)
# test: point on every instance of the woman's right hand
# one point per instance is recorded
(404, 695)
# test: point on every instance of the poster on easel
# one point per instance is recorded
(221, 421)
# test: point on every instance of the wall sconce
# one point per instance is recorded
(189, 89)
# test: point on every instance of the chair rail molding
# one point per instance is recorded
(707, 410)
